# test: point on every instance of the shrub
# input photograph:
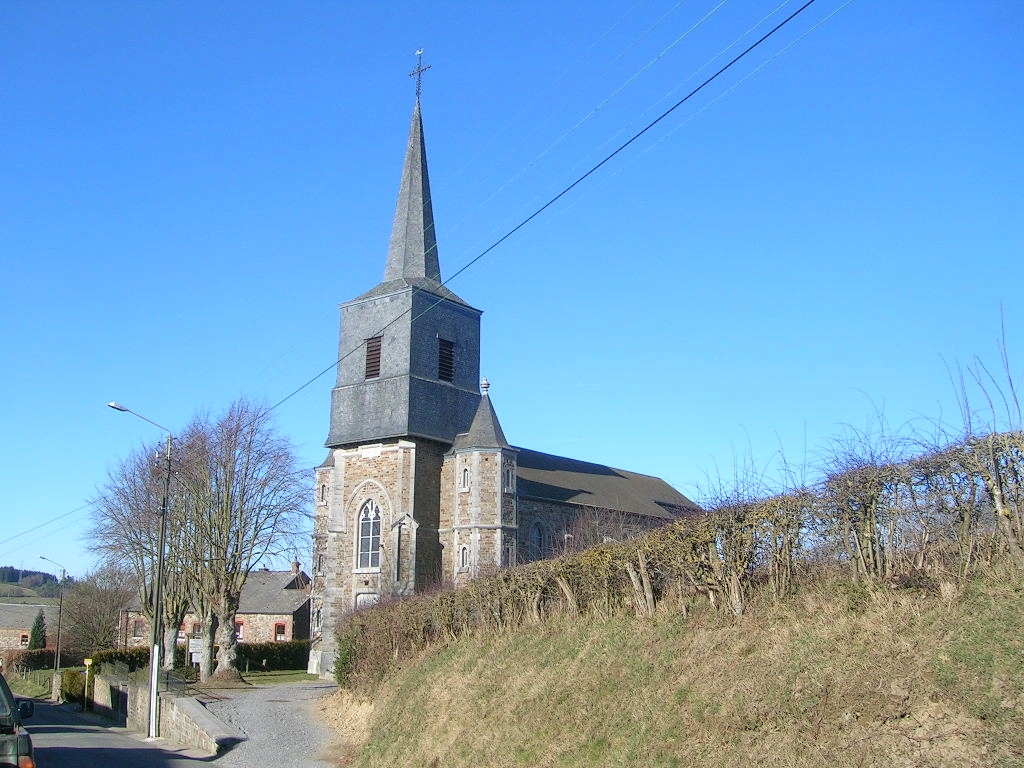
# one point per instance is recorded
(72, 684)
(345, 661)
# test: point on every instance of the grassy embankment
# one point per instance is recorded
(835, 676)
(36, 685)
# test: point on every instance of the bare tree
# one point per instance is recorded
(125, 526)
(781, 520)
(993, 444)
(92, 608)
(237, 497)
(597, 525)
(861, 503)
(247, 500)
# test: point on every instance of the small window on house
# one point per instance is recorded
(323, 493)
(239, 631)
(445, 360)
(181, 633)
(24, 641)
(320, 563)
(510, 480)
(464, 557)
(368, 555)
(137, 628)
(279, 633)
(317, 619)
(373, 357)
(464, 483)
(197, 630)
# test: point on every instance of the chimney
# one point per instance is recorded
(295, 567)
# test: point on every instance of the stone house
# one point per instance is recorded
(274, 607)
(420, 486)
(16, 622)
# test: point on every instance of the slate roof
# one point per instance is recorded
(15, 616)
(545, 477)
(265, 592)
(412, 255)
(274, 592)
(485, 431)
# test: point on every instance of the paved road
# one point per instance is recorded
(279, 722)
(64, 738)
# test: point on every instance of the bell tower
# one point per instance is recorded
(409, 348)
(408, 367)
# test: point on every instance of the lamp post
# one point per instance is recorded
(60, 616)
(158, 579)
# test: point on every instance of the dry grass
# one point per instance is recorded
(835, 676)
(348, 716)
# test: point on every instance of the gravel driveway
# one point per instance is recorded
(280, 723)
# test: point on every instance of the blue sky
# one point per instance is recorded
(190, 189)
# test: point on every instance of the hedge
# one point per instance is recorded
(272, 656)
(17, 659)
(263, 656)
(133, 658)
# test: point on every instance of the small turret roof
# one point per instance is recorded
(485, 431)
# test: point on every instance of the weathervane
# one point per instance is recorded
(418, 72)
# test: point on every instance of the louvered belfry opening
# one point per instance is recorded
(445, 360)
(373, 357)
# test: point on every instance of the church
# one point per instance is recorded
(420, 488)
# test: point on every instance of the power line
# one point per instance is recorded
(726, 92)
(44, 524)
(550, 202)
(564, 192)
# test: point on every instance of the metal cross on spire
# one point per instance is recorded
(418, 72)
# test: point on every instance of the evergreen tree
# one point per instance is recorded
(37, 638)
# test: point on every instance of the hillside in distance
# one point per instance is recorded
(23, 586)
(838, 675)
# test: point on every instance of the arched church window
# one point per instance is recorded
(368, 555)
(537, 540)
(465, 478)
(464, 557)
(323, 492)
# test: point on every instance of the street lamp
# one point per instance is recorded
(158, 587)
(60, 615)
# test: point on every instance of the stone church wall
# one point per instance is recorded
(475, 522)
(403, 479)
(549, 528)
(429, 457)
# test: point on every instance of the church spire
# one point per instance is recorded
(413, 251)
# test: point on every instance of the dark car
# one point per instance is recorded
(15, 743)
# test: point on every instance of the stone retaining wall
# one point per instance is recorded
(124, 697)
(185, 721)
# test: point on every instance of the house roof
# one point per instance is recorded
(267, 592)
(545, 477)
(274, 592)
(19, 616)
